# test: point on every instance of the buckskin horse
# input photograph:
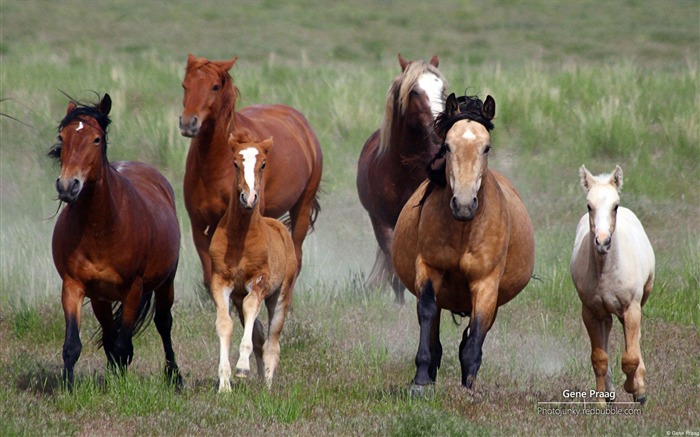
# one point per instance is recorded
(464, 241)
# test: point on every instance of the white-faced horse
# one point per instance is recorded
(612, 267)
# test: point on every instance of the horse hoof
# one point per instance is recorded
(417, 391)
(640, 398)
(242, 373)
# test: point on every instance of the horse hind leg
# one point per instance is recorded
(383, 270)
(277, 307)
(632, 363)
(302, 217)
(165, 296)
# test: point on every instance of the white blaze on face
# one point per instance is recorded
(433, 87)
(249, 158)
(80, 127)
(469, 134)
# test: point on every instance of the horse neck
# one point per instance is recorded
(408, 141)
(240, 223)
(99, 202)
(212, 142)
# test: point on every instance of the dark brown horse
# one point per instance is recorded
(393, 160)
(116, 240)
(209, 117)
(464, 241)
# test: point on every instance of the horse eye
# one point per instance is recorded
(615, 208)
(97, 141)
(487, 150)
(263, 165)
(235, 164)
(216, 87)
(59, 139)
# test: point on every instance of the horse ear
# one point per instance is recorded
(190, 59)
(489, 108)
(71, 107)
(451, 106)
(403, 63)
(586, 177)
(616, 177)
(266, 144)
(435, 61)
(226, 65)
(105, 105)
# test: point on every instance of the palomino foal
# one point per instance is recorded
(612, 267)
(253, 259)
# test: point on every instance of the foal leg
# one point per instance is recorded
(251, 308)
(277, 306)
(632, 363)
(599, 331)
(164, 296)
(258, 339)
(221, 293)
(72, 295)
(484, 308)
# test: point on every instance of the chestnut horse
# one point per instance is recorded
(464, 241)
(393, 160)
(209, 117)
(253, 259)
(116, 240)
(612, 266)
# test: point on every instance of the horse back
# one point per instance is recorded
(295, 161)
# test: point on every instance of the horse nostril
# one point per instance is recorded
(194, 121)
(453, 202)
(474, 200)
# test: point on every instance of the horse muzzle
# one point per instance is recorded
(68, 190)
(603, 247)
(463, 213)
(189, 126)
(249, 201)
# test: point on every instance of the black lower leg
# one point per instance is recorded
(427, 312)
(470, 351)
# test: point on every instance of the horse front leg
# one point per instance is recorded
(72, 296)
(427, 282)
(599, 332)
(257, 288)
(632, 363)
(221, 293)
(484, 308)
(103, 313)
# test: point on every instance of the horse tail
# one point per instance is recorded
(315, 209)
(144, 316)
(379, 275)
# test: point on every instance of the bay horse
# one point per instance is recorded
(117, 240)
(253, 260)
(464, 241)
(209, 117)
(393, 160)
(612, 267)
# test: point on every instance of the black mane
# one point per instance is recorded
(468, 108)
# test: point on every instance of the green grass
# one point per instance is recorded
(575, 83)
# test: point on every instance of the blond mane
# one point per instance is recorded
(399, 94)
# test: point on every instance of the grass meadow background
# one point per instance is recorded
(595, 83)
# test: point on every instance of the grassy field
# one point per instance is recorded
(575, 83)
